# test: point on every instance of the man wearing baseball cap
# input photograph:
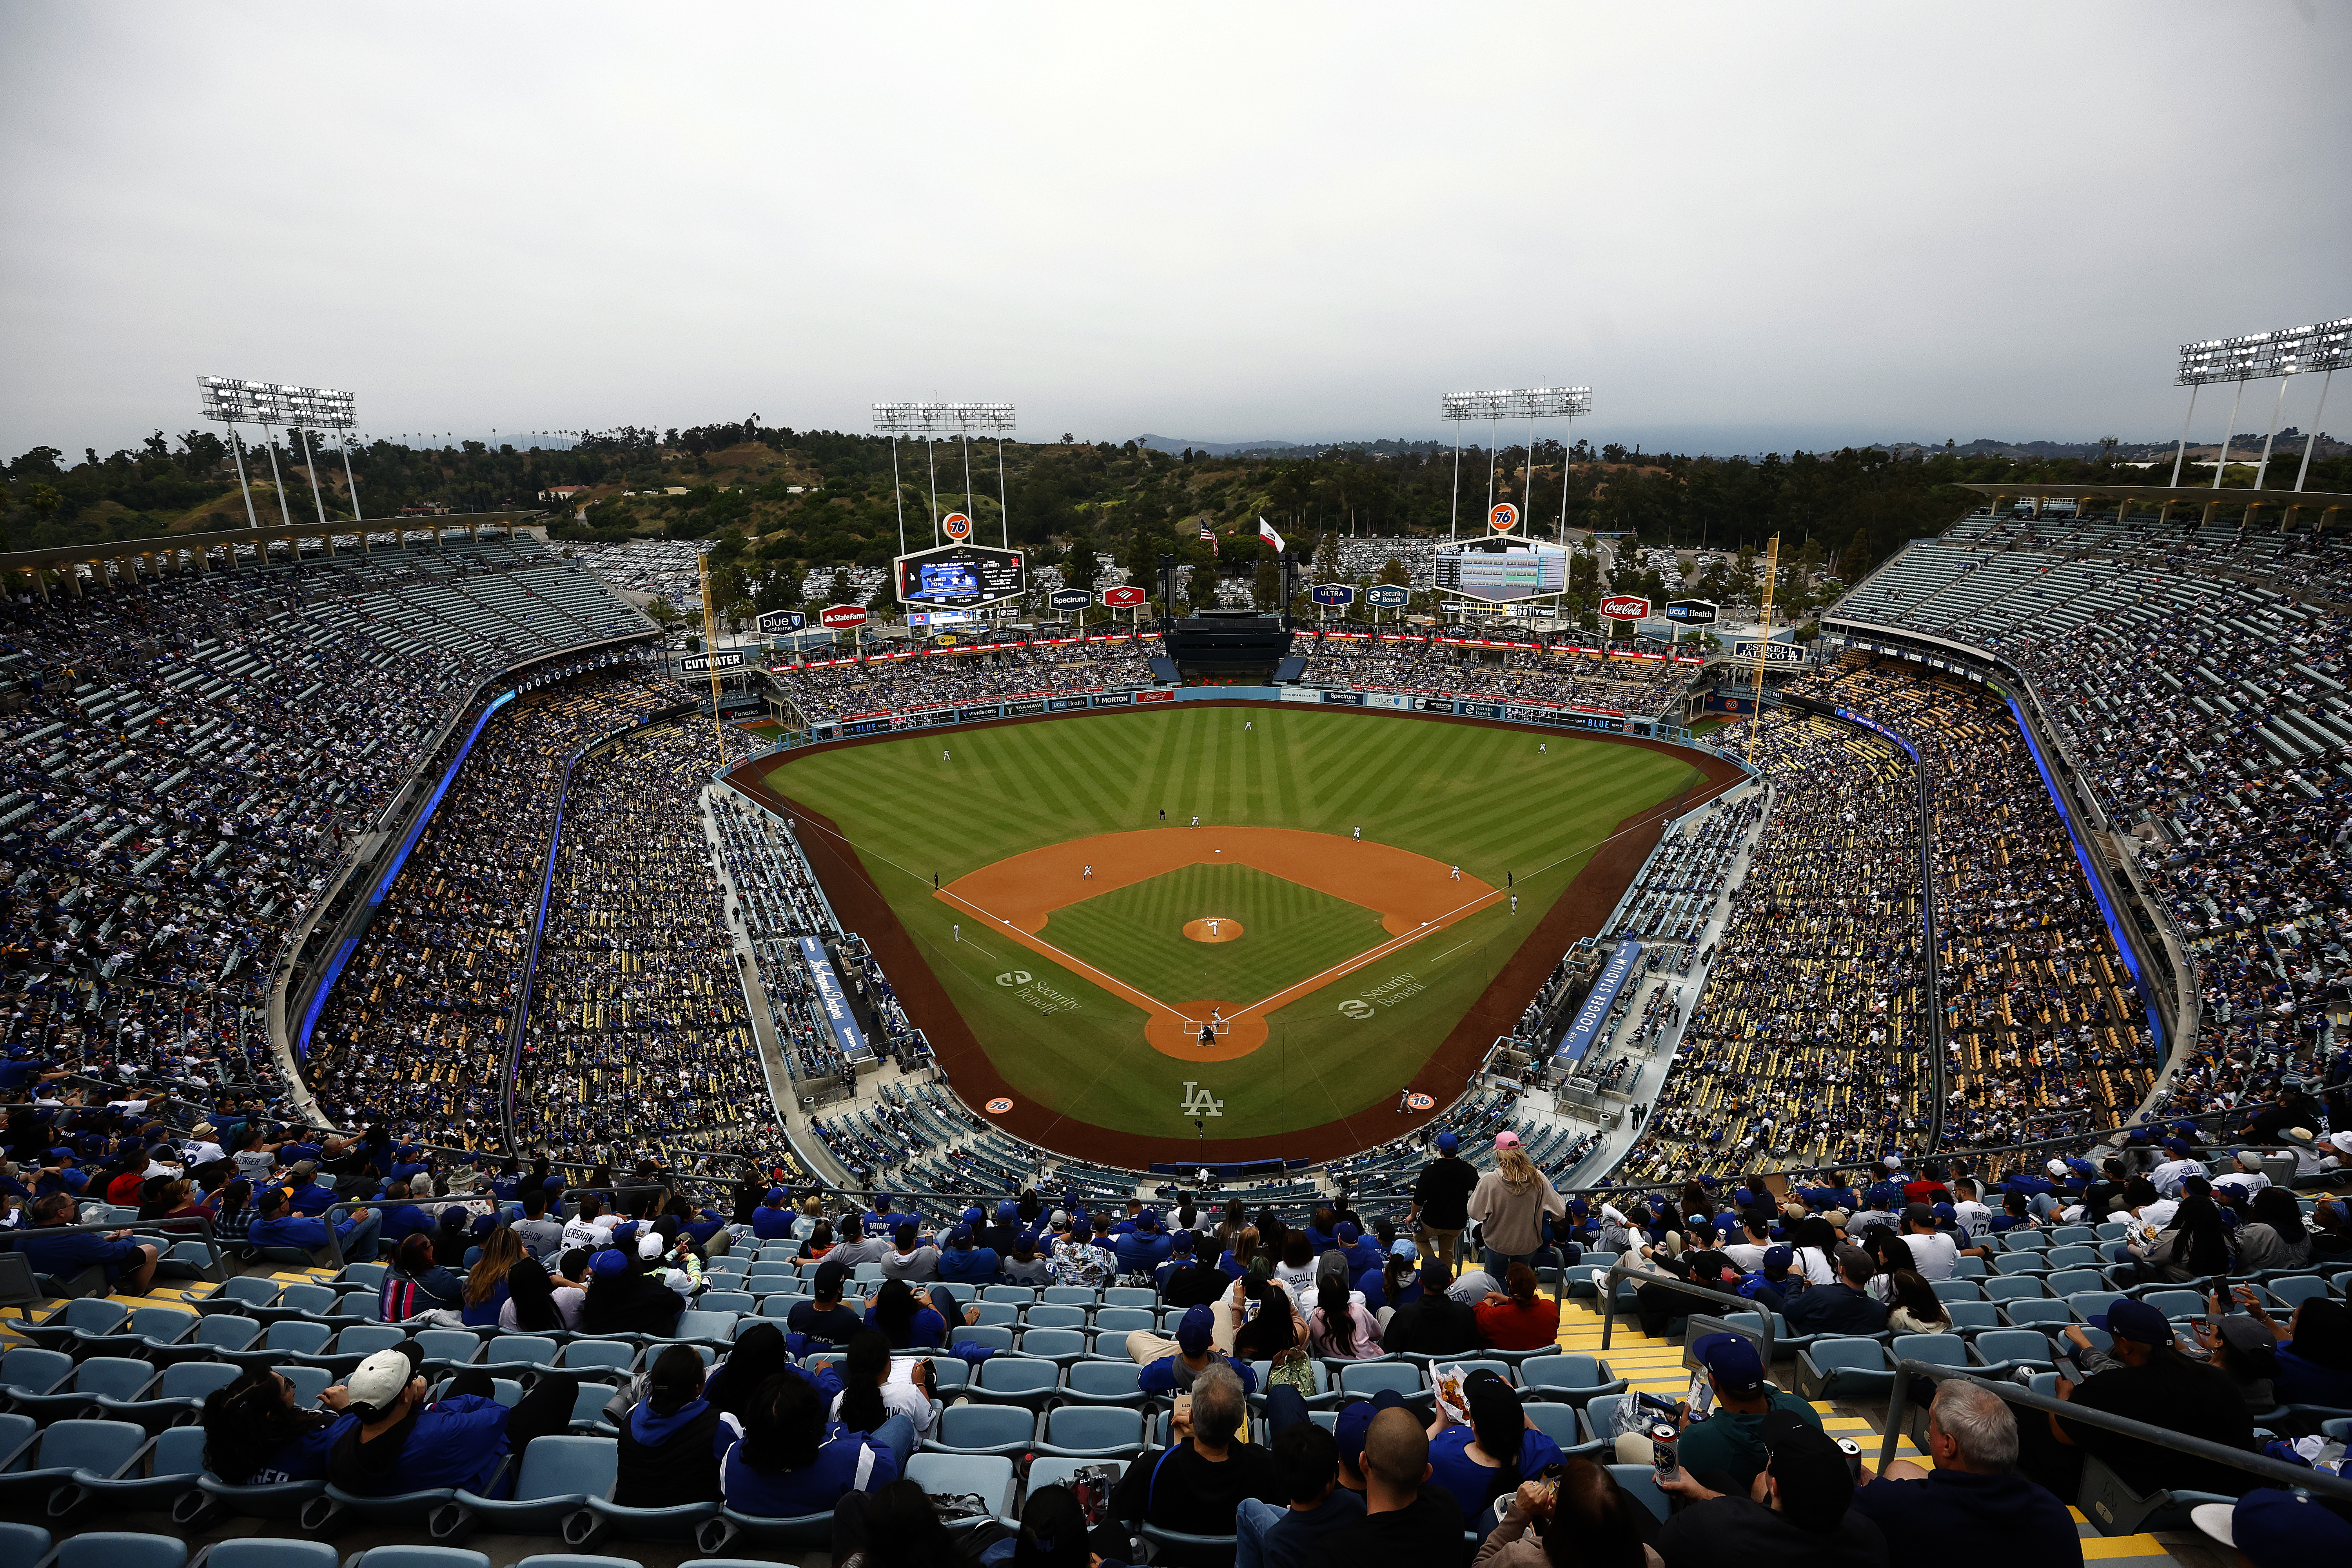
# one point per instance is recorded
(2142, 1376)
(1727, 1450)
(1441, 1197)
(405, 1442)
(1195, 1353)
(1798, 1508)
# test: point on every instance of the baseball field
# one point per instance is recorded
(1341, 910)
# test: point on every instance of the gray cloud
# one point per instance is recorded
(1744, 226)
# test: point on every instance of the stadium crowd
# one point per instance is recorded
(638, 1031)
(1539, 674)
(414, 1032)
(1806, 1043)
(940, 677)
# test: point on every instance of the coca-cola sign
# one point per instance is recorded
(1625, 607)
(841, 617)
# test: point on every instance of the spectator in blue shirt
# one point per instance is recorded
(790, 1461)
(911, 1320)
(964, 1264)
(1362, 1253)
(1195, 1353)
(308, 1196)
(402, 1444)
(772, 1220)
(1143, 1249)
(130, 1264)
(280, 1225)
(402, 1219)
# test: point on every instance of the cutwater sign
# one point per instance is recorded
(1595, 1011)
(699, 664)
(833, 1000)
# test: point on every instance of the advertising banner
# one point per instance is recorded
(969, 714)
(1770, 653)
(1022, 709)
(1161, 695)
(1351, 699)
(1062, 704)
(1067, 599)
(1625, 607)
(1692, 612)
(1126, 596)
(1432, 705)
(701, 664)
(1595, 1010)
(1113, 700)
(841, 617)
(774, 623)
(1388, 595)
(834, 1001)
(1334, 594)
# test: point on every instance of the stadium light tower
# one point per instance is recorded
(1531, 404)
(962, 420)
(2323, 346)
(272, 404)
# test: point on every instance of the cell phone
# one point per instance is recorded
(2066, 1367)
(1700, 1396)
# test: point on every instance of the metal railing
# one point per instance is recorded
(2276, 1472)
(199, 1228)
(1633, 1272)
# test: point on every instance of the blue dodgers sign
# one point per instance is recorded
(834, 1001)
(1595, 1011)
(1334, 594)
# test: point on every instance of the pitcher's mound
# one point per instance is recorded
(1219, 928)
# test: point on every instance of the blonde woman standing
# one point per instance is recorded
(1510, 1203)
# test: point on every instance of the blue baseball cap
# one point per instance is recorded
(1446, 1144)
(1195, 1332)
(1347, 1234)
(1356, 1419)
(1732, 1360)
(1147, 1220)
(1404, 1249)
(775, 1196)
(2270, 1525)
(609, 1262)
(1779, 1257)
(1946, 1212)
(959, 1236)
(2135, 1321)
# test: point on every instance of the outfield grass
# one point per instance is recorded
(1488, 799)
(1288, 933)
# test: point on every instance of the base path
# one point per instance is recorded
(1413, 895)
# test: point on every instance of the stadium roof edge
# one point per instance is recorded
(2328, 501)
(159, 544)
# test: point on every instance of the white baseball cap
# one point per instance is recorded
(377, 1382)
(649, 1244)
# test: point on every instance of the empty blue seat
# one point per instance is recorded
(419, 1557)
(22, 1542)
(1093, 1429)
(449, 1347)
(119, 1549)
(262, 1551)
(1053, 1345)
(120, 1378)
(597, 1358)
(1017, 1380)
(104, 1449)
(1067, 1295)
(1107, 1382)
(2295, 1290)
(1958, 1291)
(173, 1461)
(1970, 1316)
(1362, 1380)
(559, 1475)
(518, 1350)
(2033, 1262)
(1842, 1368)
(1045, 1315)
(2178, 1305)
(2037, 1310)
(2067, 1281)
(1569, 1379)
(82, 1315)
(2015, 1287)
(984, 1429)
(213, 1335)
(993, 1315)
(1019, 1294)
(177, 1394)
(145, 1329)
(725, 1302)
(30, 1370)
(2008, 1348)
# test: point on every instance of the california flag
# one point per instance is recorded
(1265, 531)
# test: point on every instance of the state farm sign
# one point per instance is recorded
(1625, 607)
(841, 617)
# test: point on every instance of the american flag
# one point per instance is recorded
(1208, 536)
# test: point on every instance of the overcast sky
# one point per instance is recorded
(1746, 227)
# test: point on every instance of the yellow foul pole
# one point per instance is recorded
(1764, 639)
(710, 652)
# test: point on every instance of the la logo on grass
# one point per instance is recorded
(1198, 1101)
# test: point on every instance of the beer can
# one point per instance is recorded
(1664, 1432)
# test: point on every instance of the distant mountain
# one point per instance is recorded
(1286, 449)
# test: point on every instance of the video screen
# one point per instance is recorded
(961, 576)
